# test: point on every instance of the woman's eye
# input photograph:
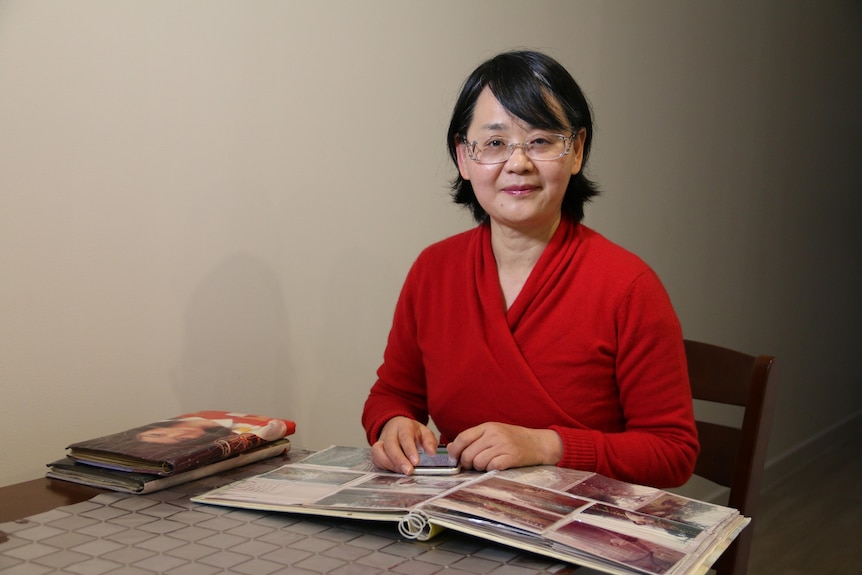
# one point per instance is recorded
(496, 143)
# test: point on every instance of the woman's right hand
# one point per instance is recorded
(397, 449)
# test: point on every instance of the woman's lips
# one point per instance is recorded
(518, 190)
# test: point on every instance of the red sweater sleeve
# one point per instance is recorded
(658, 445)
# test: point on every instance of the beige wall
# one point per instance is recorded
(211, 204)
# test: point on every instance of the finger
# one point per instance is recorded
(492, 457)
(399, 444)
(463, 447)
(498, 462)
(478, 456)
(396, 460)
(379, 457)
(428, 440)
(457, 446)
(408, 443)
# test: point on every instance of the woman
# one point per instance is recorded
(531, 339)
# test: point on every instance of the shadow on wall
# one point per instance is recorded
(354, 330)
(236, 354)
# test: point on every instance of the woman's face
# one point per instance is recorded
(171, 435)
(521, 194)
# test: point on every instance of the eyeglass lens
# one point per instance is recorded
(498, 150)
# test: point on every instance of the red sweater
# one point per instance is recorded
(590, 348)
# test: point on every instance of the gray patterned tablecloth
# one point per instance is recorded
(164, 532)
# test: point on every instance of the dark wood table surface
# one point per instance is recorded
(21, 500)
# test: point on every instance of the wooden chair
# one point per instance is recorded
(729, 456)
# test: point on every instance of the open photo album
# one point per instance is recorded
(574, 516)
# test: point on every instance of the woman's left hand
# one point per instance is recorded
(496, 446)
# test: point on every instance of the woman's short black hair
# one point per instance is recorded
(533, 87)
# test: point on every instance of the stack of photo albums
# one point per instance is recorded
(573, 516)
(165, 453)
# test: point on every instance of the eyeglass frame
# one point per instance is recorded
(471, 147)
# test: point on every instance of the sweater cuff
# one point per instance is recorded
(579, 448)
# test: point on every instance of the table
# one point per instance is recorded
(31, 497)
(53, 526)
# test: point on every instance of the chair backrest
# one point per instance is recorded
(729, 456)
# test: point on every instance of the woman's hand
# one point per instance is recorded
(399, 443)
(496, 446)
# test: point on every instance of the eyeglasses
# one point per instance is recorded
(498, 150)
